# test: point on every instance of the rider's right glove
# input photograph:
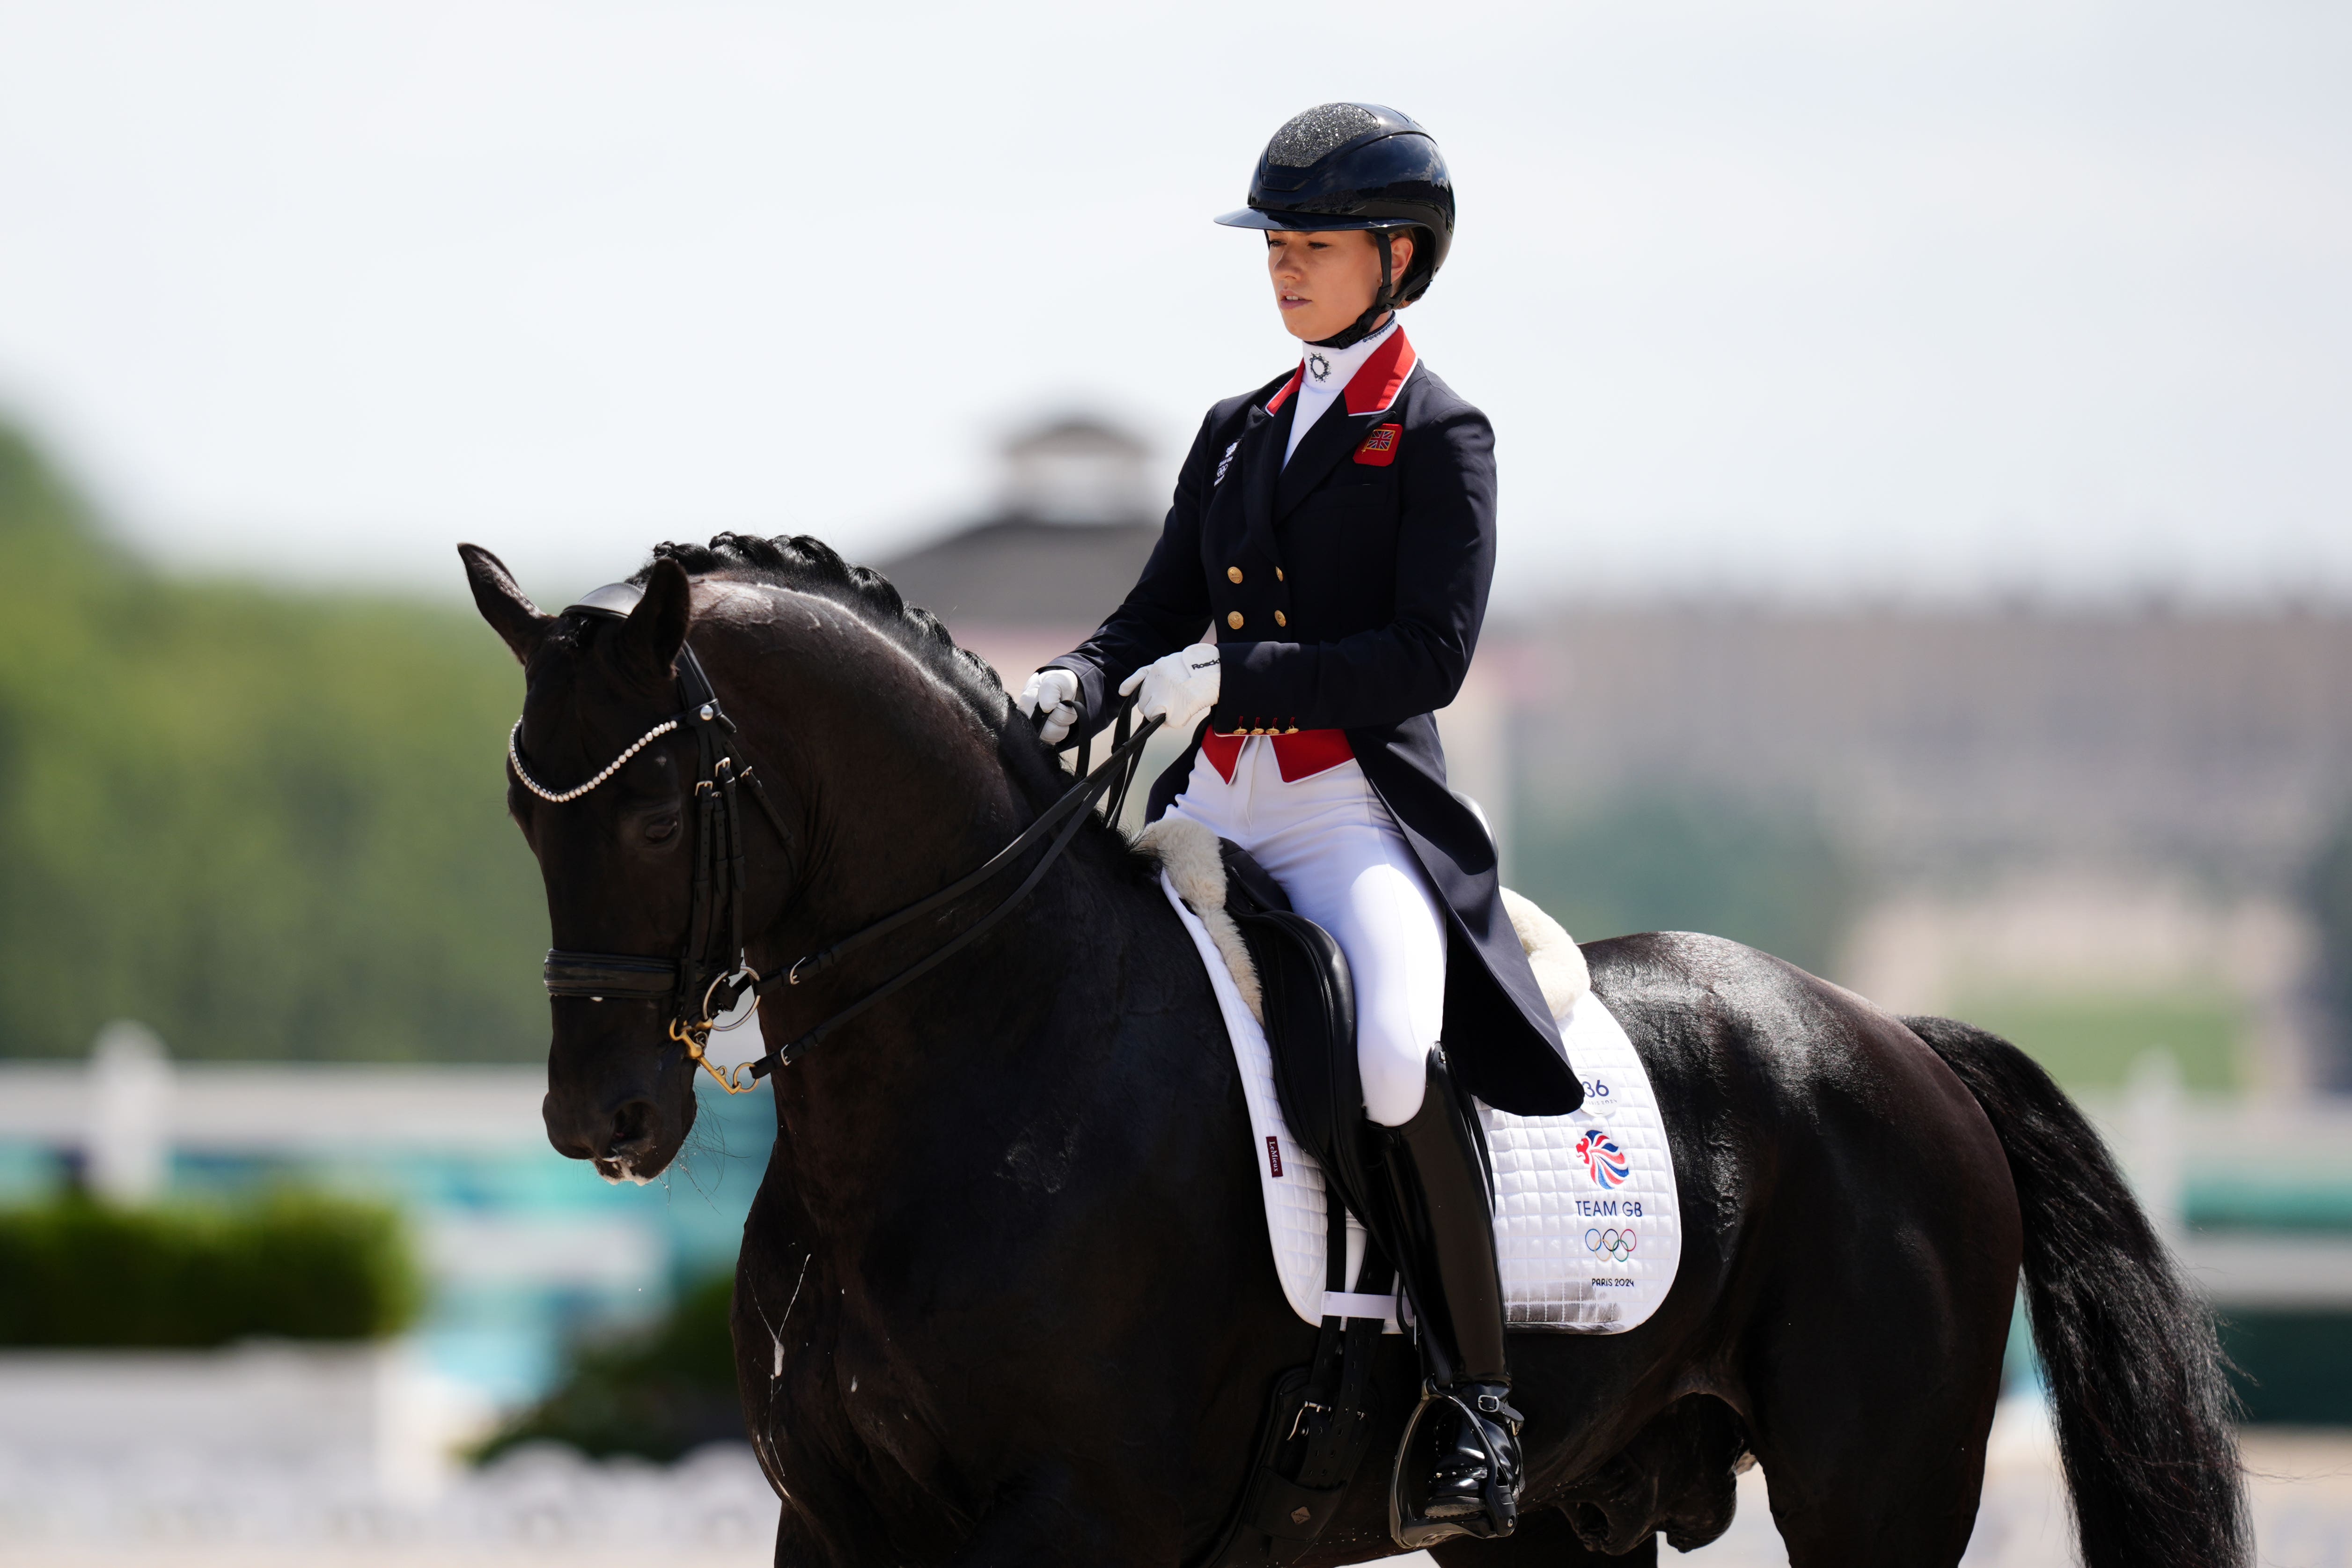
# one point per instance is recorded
(1055, 694)
(1180, 688)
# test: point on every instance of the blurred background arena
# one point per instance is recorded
(1928, 556)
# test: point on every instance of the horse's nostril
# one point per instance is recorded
(631, 1124)
(570, 1138)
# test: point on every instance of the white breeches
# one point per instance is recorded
(1338, 854)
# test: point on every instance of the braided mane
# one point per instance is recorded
(806, 564)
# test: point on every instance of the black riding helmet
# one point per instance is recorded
(1357, 165)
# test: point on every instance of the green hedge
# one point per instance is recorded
(77, 1273)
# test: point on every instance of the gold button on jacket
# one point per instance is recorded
(1234, 574)
(1280, 619)
(1233, 619)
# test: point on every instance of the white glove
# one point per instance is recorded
(1053, 693)
(1180, 688)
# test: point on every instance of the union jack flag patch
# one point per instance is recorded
(1380, 448)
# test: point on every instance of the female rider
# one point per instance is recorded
(1334, 531)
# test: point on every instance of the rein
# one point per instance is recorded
(718, 966)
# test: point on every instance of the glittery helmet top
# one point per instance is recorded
(1356, 166)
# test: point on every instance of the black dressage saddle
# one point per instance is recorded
(1318, 1416)
(1310, 1027)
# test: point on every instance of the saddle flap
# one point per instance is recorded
(1309, 1003)
(1587, 1223)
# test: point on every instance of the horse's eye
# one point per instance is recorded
(661, 829)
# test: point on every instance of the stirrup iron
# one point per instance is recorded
(1459, 1470)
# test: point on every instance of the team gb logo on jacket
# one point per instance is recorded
(1604, 1161)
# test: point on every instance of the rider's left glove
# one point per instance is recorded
(1052, 699)
(1180, 688)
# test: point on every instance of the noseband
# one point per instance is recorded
(712, 972)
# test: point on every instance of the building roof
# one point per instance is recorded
(1071, 531)
(1078, 470)
(1020, 572)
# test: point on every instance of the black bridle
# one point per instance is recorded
(711, 974)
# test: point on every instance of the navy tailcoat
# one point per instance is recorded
(1347, 588)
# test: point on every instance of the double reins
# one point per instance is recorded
(712, 974)
(1062, 819)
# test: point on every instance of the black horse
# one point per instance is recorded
(1005, 1293)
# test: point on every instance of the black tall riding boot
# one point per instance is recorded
(1459, 1470)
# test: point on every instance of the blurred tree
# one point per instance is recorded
(1660, 860)
(268, 824)
(2090, 1039)
(659, 1393)
(2329, 892)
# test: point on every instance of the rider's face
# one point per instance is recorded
(1323, 281)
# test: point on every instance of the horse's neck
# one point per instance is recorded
(1003, 1036)
(884, 776)
(896, 793)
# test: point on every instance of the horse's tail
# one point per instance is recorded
(2135, 1371)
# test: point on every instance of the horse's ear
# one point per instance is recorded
(656, 629)
(510, 614)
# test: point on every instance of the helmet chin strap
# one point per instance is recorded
(1365, 325)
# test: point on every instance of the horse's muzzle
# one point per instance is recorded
(612, 1101)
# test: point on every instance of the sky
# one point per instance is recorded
(2044, 297)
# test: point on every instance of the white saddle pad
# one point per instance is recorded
(1587, 1226)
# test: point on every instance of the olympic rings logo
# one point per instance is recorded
(1610, 1243)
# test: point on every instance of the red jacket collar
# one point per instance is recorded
(1274, 403)
(1379, 378)
(1374, 385)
